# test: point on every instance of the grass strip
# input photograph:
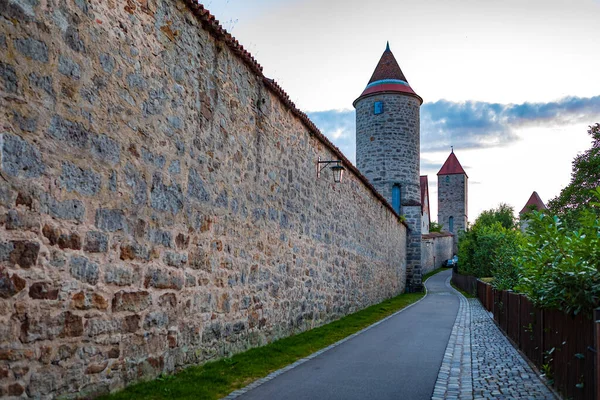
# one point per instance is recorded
(466, 294)
(215, 380)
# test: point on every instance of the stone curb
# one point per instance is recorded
(274, 374)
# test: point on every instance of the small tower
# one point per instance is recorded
(388, 152)
(534, 203)
(453, 197)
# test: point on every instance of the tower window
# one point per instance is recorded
(447, 179)
(451, 224)
(396, 198)
(378, 107)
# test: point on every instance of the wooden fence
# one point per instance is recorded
(564, 346)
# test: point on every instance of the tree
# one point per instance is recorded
(435, 227)
(585, 176)
(504, 214)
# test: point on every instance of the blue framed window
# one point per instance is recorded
(378, 107)
(396, 198)
(451, 224)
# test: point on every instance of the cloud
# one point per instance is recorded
(468, 125)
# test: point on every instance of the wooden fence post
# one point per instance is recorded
(597, 344)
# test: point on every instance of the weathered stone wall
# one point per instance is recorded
(452, 202)
(436, 248)
(388, 154)
(159, 204)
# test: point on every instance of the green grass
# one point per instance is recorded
(216, 379)
(466, 294)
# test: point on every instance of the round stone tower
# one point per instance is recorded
(388, 149)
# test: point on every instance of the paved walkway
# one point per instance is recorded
(480, 362)
(396, 359)
(443, 347)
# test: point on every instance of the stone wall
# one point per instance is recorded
(436, 248)
(159, 202)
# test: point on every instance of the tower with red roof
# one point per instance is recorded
(534, 203)
(388, 149)
(453, 196)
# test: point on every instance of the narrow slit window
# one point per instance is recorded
(396, 198)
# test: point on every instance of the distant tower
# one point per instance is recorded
(534, 203)
(388, 152)
(453, 197)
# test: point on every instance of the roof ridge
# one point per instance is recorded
(211, 24)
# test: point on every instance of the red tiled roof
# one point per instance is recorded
(534, 203)
(212, 26)
(433, 235)
(387, 68)
(452, 166)
(388, 77)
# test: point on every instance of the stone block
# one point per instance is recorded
(165, 197)
(160, 237)
(24, 123)
(67, 209)
(43, 291)
(10, 285)
(110, 220)
(9, 76)
(45, 83)
(134, 251)
(106, 149)
(84, 181)
(163, 279)
(88, 300)
(176, 260)
(24, 253)
(196, 187)
(19, 158)
(68, 67)
(120, 276)
(84, 270)
(24, 221)
(135, 180)
(96, 242)
(32, 48)
(69, 133)
(107, 62)
(131, 323)
(156, 319)
(131, 301)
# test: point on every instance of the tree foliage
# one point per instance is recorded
(560, 267)
(585, 176)
(487, 249)
(435, 227)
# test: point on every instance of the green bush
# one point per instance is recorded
(560, 267)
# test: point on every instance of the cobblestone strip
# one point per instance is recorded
(499, 371)
(235, 394)
(455, 379)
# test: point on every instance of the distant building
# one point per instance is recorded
(453, 197)
(534, 203)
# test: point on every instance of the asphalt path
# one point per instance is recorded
(397, 359)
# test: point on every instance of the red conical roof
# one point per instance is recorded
(388, 77)
(534, 203)
(452, 166)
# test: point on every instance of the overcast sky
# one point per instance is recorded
(511, 84)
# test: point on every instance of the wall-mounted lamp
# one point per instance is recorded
(338, 169)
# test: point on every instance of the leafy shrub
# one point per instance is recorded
(560, 267)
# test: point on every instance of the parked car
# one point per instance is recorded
(451, 262)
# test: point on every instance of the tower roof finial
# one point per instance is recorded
(452, 148)
(387, 46)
